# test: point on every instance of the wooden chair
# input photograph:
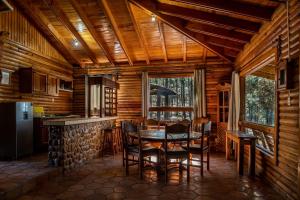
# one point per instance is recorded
(152, 124)
(133, 153)
(202, 145)
(176, 152)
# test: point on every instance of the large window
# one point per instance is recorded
(260, 100)
(171, 98)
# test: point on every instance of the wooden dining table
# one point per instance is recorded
(159, 135)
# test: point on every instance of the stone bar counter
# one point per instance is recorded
(73, 141)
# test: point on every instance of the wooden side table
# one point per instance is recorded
(241, 139)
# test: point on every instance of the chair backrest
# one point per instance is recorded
(152, 122)
(207, 128)
(127, 126)
(178, 128)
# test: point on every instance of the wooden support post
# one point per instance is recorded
(240, 162)
(299, 134)
(251, 163)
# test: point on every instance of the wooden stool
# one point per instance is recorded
(108, 144)
(112, 141)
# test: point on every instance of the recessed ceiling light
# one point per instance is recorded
(76, 43)
(80, 27)
(153, 18)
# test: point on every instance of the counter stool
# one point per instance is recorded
(111, 141)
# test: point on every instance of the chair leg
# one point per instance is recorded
(201, 162)
(166, 170)
(123, 158)
(126, 165)
(188, 169)
(207, 160)
(141, 166)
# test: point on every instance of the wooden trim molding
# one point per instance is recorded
(172, 109)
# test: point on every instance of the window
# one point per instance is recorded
(4, 77)
(260, 101)
(171, 98)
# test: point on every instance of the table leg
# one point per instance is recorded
(240, 162)
(227, 147)
(252, 158)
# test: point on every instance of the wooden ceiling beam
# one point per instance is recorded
(150, 7)
(184, 47)
(104, 4)
(92, 30)
(209, 39)
(232, 7)
(208, 18)
(162, 39)
(43, 24)
(219, 32)
(139, 32)
(54, 7)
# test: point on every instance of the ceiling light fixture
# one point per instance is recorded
(80, 27)
(153, 18)
(75, 43)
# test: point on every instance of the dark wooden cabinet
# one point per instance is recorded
(40, 135)
(39, 83)
(34, 82)
(223, 95)
(53, 86)
(110, 101)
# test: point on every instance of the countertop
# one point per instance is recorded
(74, 121)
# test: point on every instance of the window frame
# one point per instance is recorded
(269, 57)
(169, 108)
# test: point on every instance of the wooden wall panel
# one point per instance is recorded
(282, 175)
(24, 33)
(130, 97)
(79, 95)
(130, 92)
(26, 47)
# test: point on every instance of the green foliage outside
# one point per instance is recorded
(183, 87)
(260, 100)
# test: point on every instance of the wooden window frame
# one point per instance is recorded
(270, 55)
(169, 108)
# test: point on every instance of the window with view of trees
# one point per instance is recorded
(171, 98)
(260, 109)
(260, 100)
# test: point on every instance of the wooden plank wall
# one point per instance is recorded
(130, 92)
(79, 95)
(130, 97)
(26, 47)
(282, 175)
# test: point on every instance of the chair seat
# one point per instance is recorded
(195, 147)
(146, 149)
(176, 151)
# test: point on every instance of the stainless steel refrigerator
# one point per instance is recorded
(16, 130)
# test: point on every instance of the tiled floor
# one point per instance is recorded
(19, 177)
(104, 179)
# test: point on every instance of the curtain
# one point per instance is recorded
(234, 103)
(199, 94)
(145, 94)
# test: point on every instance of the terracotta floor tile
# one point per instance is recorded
(104, 178)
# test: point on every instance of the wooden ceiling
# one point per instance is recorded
(5, 6)
(147, 32)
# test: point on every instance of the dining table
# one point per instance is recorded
(159, 135)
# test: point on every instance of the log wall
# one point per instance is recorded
(281, 172)
(130, 92)
(26, 47)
